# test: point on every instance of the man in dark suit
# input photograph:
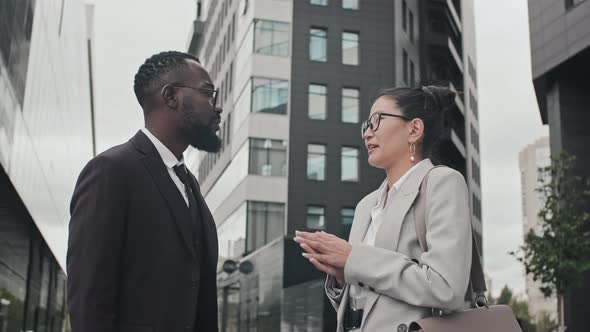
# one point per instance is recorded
(142, 250)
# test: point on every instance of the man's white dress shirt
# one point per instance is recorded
(169, 160)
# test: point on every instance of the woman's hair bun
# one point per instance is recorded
(443, 97)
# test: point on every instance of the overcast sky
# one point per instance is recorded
(126, 32)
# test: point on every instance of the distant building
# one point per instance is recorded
(531, 158)
(560, 49)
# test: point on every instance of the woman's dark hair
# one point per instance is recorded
(428, 103)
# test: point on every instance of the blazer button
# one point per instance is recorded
(402, 328)
(361, 284)
(371, 289)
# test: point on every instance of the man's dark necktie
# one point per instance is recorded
(193, 208)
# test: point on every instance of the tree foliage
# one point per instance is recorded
(519, 307)
(558, 254)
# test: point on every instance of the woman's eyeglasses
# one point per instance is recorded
(374, 121)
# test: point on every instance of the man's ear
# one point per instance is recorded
(169, 96)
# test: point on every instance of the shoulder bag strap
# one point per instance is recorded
(478, 284)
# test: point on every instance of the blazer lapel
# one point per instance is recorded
(155, 166)
(209, 228)
(388, 234)
(401, 202)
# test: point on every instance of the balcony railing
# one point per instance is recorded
(456, 55)
(455, 10)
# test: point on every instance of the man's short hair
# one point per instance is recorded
(151, 73)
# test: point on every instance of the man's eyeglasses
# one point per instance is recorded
(211, 93)
(375, 119)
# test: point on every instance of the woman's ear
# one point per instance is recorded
(416, 130)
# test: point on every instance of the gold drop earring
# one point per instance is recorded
(413, 151)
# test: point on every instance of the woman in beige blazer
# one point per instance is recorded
(380, 279)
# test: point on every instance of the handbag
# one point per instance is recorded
(481, 318)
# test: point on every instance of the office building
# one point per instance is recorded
(560, 50)
(531, 158)
(296, 79)
(45, 139)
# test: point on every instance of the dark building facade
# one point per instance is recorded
(45, 138)
(560, 49)
(296, 79)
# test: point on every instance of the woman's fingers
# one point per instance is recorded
(323, 267)
(322, 258)
(307, 248)
(315, 245)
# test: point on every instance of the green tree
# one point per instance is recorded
(505, 296)
(545, 323)
(558, 254)
(519, 307)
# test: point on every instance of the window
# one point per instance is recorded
(350, 4)
(349, 164)
(404, 18)
(405, 59)
(233, 28)
(473, 104)
(319, 2)
(316, 162)
(411, 26)
(350, 48)
(317, 102)
(316, 218)
(475, 171)
(318, 44)
(232, 234)
(16, 26)
(350, 105)
(474, 138)
(476, 206)
(228, 129)
(231, 77)
(412, 75)
(472, 72)
(346, 216)
(266, 222)
(271, 37)
(268, 157)
(269, 96)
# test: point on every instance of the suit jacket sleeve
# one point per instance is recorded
(333, 292)
(96, 237)
(441, 278)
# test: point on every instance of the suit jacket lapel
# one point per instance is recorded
(155, 166)
(209, 228)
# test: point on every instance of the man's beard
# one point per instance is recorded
(199, 136)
